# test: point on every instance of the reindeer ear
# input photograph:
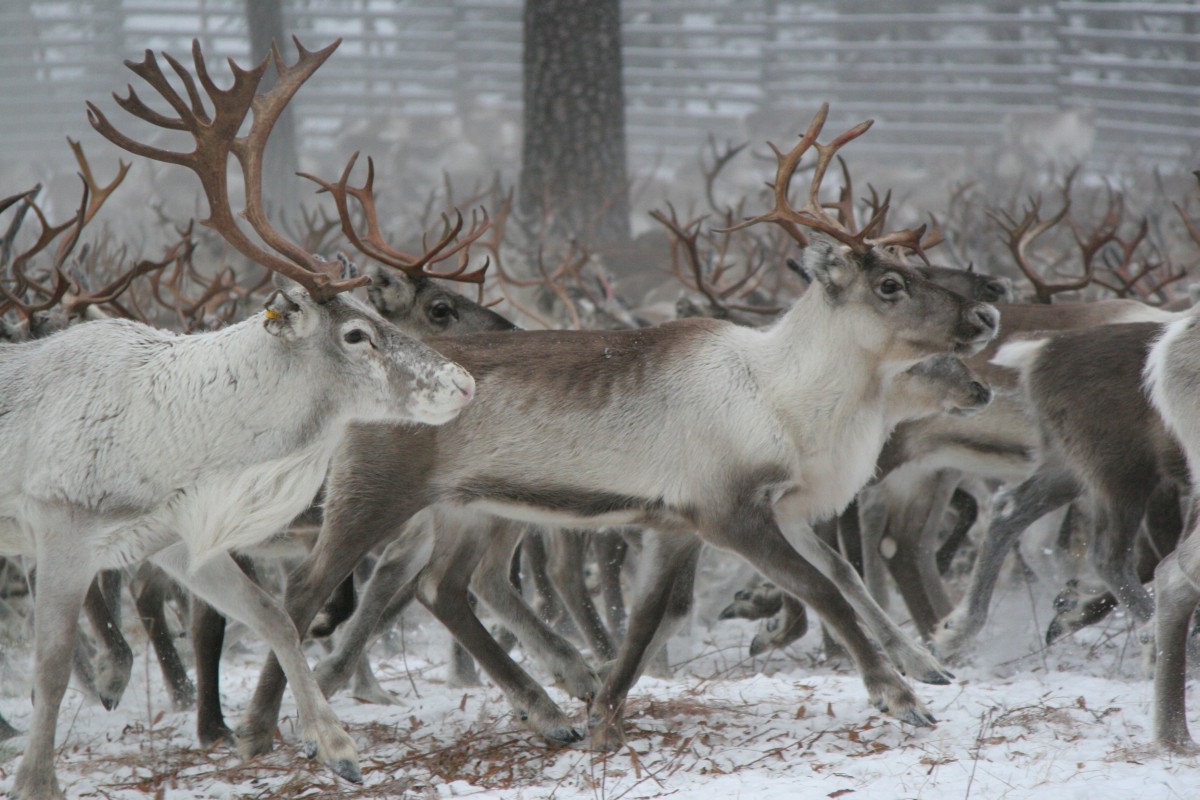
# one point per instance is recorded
(829, 264)
(392, 293)
(798, 268)
(289, 312)
(349, 268)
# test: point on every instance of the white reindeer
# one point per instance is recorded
(1172, 373)
(137, 443)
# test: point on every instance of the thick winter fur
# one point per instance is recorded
(1119, 455)
(422, 306)
(998, 444)
(136, 443)
(1172, 375)
(695, 425)
(418, 306)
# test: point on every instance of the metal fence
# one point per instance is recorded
(938, 76)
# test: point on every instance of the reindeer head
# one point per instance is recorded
(885, 304)
(420, 306)
(894, 309)
(378, 372)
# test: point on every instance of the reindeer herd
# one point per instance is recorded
(427, 444)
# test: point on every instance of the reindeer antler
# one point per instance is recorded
(216, 138)
(373, 244)
(1022, 234)
(813, 215)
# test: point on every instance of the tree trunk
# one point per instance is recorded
(280, 160)
(573, 173)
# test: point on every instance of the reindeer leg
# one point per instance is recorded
(966, 509)
(666, 574)
(150, 601)
(1177, 598)
(914, 563)
(1047, 489)
(567, 550)
(222, 584)
(1112, 554)
(491, 585)
(336, 611)
(208, 639)
(788, 625)
(755, 535)
(610, 548)
(396, 569)
(911, 658)
(112, 673)
(443, 588)
(537, 561)
(367, 513)
(848, 537)
(61, 588)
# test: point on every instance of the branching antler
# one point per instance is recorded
(216, 138)
(1022, 234)
(685, 237)
(813, 215)
(373, 244)
(720, 160)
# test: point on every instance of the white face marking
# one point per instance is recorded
(441, 394)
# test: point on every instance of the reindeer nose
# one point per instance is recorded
(982, 392)
(999, 289)
(985, 317)
(465, 384)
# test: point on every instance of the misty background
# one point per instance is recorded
(1007, 95)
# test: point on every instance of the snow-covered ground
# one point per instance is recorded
(1021, 722)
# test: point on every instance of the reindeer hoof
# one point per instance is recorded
(346, 768)
(940, 677)
(211, 735)
(605, 737)
(563, 736)
(918, 718)
(252, 742)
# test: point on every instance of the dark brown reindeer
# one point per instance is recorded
(742, 435)
(1000, 443)
(1061, 376)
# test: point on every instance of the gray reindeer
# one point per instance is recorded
(742, 435)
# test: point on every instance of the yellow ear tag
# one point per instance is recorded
(273, 314)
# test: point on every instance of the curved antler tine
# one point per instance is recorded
(812, 215)
(27, 311)
(16, 198)
(49, 233)
(845, 202)
(373, 244)
(216, 138)
(68, 244)
(910, 238)
(189, 84)
(825, 154)
(99, 194)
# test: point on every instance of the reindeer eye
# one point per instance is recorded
(441, 311)
(890, 286)
(354, 337)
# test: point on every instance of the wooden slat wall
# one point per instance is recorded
(936, 75)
